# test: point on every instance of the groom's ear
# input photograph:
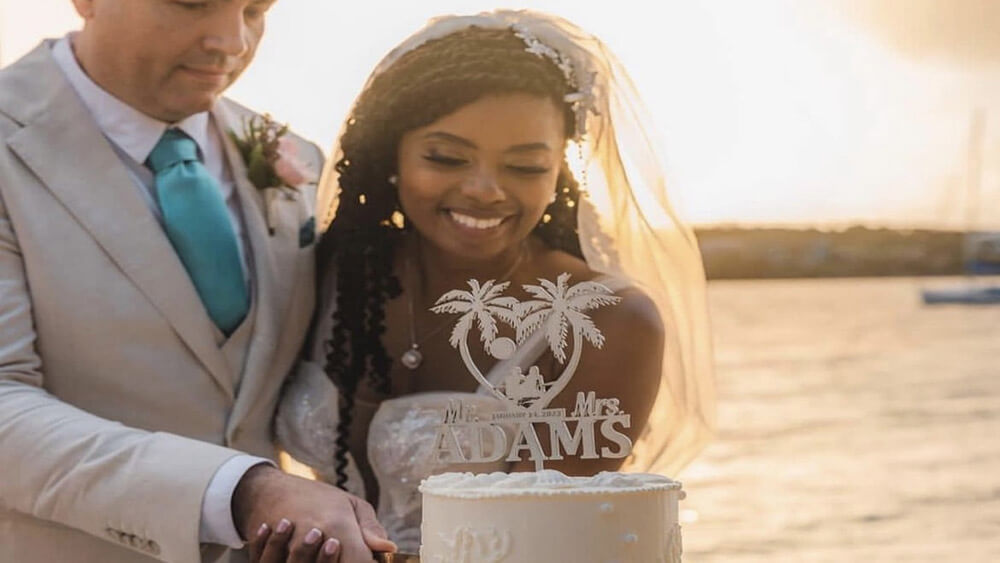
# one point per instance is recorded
(85, 8)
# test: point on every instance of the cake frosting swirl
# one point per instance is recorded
(470, 485)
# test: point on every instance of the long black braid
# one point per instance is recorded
(424, 85)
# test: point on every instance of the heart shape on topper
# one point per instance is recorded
(557, 309)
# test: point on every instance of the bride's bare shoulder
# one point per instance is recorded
(636, 305)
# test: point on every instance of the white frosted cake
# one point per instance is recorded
(546, 516)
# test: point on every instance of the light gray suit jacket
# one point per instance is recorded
(116, 404)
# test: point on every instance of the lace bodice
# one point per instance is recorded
(400, 438)
(400, 441)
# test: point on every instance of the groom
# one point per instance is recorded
(152, 299)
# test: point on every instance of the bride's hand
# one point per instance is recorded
(266, 496)
(270, 545)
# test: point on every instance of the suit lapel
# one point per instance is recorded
(275, 268)
(63, 146)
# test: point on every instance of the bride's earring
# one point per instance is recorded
(394, 179)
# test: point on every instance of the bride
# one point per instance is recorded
(508, 146)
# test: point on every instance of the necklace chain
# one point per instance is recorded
(412, 357)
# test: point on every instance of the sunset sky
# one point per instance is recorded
(770, 111)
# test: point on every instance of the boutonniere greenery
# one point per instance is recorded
(272, 160)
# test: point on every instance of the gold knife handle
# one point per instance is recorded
(383, 557)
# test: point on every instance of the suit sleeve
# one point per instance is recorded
(142, 490)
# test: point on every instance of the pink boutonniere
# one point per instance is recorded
(272, 161)
(288, 167)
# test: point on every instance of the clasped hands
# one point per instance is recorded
(285, 518)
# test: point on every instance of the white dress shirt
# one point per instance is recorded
(133, 135)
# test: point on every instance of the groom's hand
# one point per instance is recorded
(267, 495)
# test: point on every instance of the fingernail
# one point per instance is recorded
(262, 530)
(284, 525)
(330, 547)
(313, 536)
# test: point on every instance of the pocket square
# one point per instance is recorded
(307, 233)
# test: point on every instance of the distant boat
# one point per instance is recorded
(980, 249)
(963, 296)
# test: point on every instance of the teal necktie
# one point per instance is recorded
(197, 223)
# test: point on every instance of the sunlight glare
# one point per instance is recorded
(771, 111)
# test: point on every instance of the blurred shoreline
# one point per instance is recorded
(784, 253)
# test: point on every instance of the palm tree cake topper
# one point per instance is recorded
(555, 317)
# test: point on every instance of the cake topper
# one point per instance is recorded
(555, 318)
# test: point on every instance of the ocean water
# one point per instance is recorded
(855, 424)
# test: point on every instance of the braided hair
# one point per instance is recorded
(424, 85)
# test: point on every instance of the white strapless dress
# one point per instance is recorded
(400, 440)
(400, 436)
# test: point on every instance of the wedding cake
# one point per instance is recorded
(546, 516)
(543, 516)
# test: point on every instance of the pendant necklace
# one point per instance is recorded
(413, 357)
